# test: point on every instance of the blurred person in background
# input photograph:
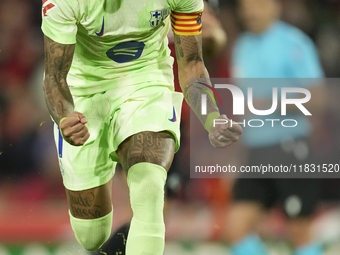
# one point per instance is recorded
(273, 49)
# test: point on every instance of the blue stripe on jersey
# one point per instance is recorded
(60, 144)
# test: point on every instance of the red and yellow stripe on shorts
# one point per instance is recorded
(186, 23)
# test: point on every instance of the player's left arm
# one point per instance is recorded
(190, 65)
(191, 71)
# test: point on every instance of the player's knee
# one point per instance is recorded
(146, 182)
(92, 233)
(147, 189)
(92, 242)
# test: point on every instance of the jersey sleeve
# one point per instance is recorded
(186, 6)
(186, 16)
(59, 20)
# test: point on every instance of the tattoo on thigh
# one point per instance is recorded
(156, 148)
(82, 206)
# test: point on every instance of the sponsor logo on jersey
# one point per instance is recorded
(174, 119)
(102, 30)
(158, 16)
(126, 51)
(47, 5)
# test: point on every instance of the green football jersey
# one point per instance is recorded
(118, 42)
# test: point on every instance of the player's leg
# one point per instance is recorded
(147, 157)
(146, 135)
(244, 217)
(299, 230)
(250, 205)
(300, 234)
(117, 242)
(116, 245)
(147, 147)
(91, 215)
(87, 172)
(299, 198)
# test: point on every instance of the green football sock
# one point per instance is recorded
(147, 231)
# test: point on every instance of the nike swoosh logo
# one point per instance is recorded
(102, 30)
(174, 119)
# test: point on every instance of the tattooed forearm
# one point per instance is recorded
(191, 72)
(58, 59)
(179, 50)
(193, 96)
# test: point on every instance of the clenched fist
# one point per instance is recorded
(74, 130)
(223, 135)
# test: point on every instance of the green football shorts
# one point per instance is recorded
(113, 116)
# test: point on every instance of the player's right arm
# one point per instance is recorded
(58, 59)
(59, 24)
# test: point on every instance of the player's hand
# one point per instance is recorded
(74, 130)
(223, 135)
